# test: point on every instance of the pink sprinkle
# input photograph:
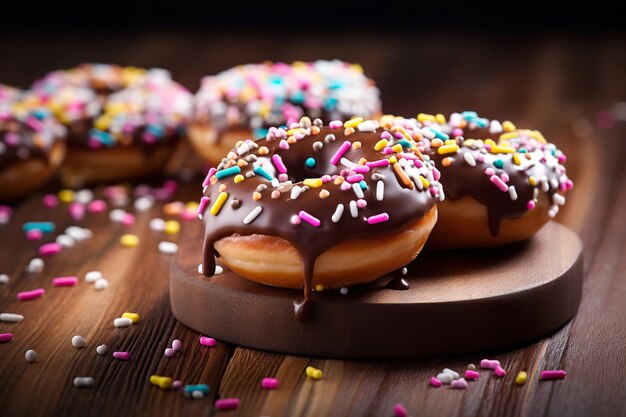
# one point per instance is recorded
(556, 374)
(379, 218)
(495, 180)
(387, 150)
(335, 124)
(188, 215)
(436, 174)
(326, 178)
(169, 352)
(34, 234)
(30, 295)
(97, 206)
(489, 171)
(269, 383)
(489, 364)
(562, 158)
(227, 403)
(499, 371)
(398, 135)
(207, 179)
(460, 383)
(203, 202)
(399, 411)
(435, 382)
(345, 186)
(281, 133)
(360, 203)
(283, 178)
(177, 384)
(409, 156)
(354, 178)
(379, 163)
(64, 281)
(340, 152)
(170, 185)
(530, 205)
(385, 135)
(504, 177)
(123, 356)
(473, 375)
(283, 144)
(50, 249)
(480, 158)
(177, 345)
(360, 169)
(457, 132)
(128, 219)
(77, 211)
(309, 219)
(5, 337)
(50, 200)
(207, 341)
(278, 162)
(569, 184)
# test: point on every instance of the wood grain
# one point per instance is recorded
(544, 82)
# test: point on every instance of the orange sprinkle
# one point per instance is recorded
(263, 150)
(446, 162)
(356, 145)
(324, 193)
(348, 131)
(403, 177)
(256, 196)
(223, 187)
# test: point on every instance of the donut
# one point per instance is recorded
(123, 122)
(32, 145)
(246, 100)
(316, 206)
(502, 184)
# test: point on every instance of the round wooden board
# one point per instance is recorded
(458, 302)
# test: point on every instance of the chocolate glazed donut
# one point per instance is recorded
(318, 187)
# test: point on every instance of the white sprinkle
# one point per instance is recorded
(86, 381)
(367, 126)
(554, 184)
(78, 233)
(380, 190)
(11, 317)
(358, 191)
(535, 193)
(168, 247)
(469, 158)
(404, 271)
(83, 196)
(554, 210)
(512, 192)
(427, 133)
(558, 199)
(348, 163)
(275, 183)
(35, 266)
(338, 213)
(197, 394)
(65, 240)
(343, 291)
(495, 127)
(31, 356)
(101, 284)
(157, 225)
(218, 269)
(354, 211)
(252, 215)
(93, 276)
(4, 279)
(144, 203)
(79, 342)
(243, 149)
(454, 374)
(117, 215)
(101, 350)
(122, 322)
(445, 378)
(295, 192)
(200, 269)
(545, 187)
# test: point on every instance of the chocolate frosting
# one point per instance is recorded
(401, 202)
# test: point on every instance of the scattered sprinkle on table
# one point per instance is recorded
(129, 240)
(79, 342)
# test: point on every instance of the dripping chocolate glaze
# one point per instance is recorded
(459, 179)
(402, 204)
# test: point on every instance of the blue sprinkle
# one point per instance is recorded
(405, 143)
(498, 163)
(522, 150)
(103, 137)
(310, 163)
(481, 122)
(298, 97)
(330, 104)
(227, 172)
(204, 388)
(260, 133)
(262, 172)
(40, 113)
(439, 134)
(45, 227)
(469, 115)
(363, 185)
(156, 130)
(335, 85)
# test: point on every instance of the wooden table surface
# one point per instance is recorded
(567, 87)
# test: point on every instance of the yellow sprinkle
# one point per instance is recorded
(314, 373)
(313, 182)
(133, 316)
(490, 142)
(256, 196)
(362, 161)
(520, 379)
(238, 178)
(163, 382)
(319, 287)
(102, 122)
(397, 148)
(446, 162)
(532, 181)
(469, 142)
(393, 159)
(507, 136)
(263, 150)
(356, 145)
(508, 126)
(129, 240)
(502, 149)
(237, 144)
(449, 142)
(425, 182)
(423, 117)
(324, 194)
(352, 123)
(172, 227)
(219, 202)
(292, 132)
(516, 159)
(441, 119)
(191, 205)
(338, 180)
(66, 196)
(535, 134)
(357, 67)
(380, 144)
(446, 149)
